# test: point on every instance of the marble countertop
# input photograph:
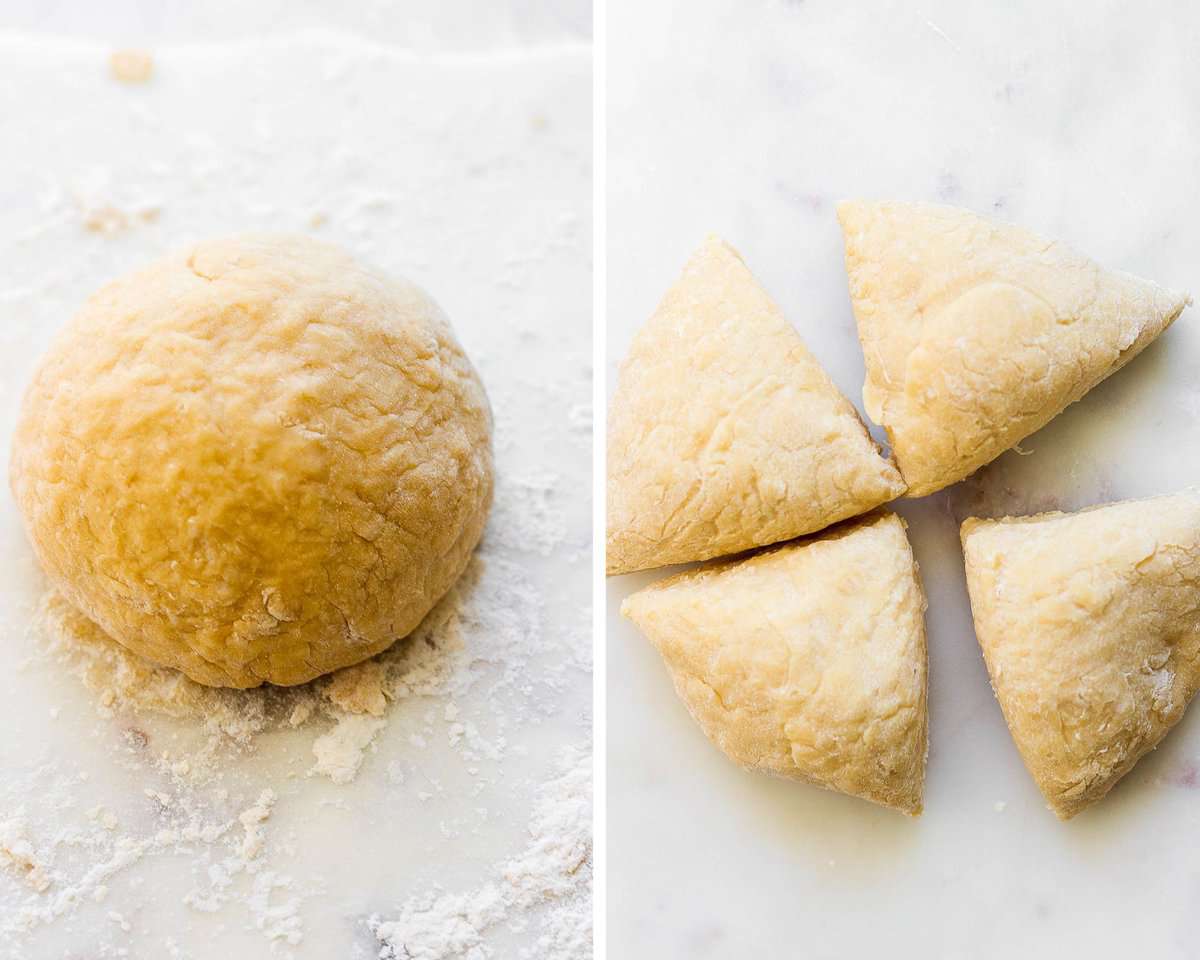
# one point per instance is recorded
(752, 120)
(460, 158)
(429, 26)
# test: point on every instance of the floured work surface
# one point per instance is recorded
(434, 800)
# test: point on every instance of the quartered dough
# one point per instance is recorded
(255, 460)
(724, 431)
(1090, 625)
(976, 333)
(807, 660)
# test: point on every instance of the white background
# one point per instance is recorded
(752, 119)
(449, 142)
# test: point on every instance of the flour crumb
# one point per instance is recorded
(18, 854)
(162, 799)
(252, 819)
(131, 66)
(119, 920)
(300, 713)
(280, 922)
(359, 689)
(339, 753)
(98, 814)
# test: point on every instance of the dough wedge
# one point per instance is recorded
(808, 660)
(1090, 626)
(976, 333)
(724, 431)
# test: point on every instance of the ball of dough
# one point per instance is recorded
(255, 461)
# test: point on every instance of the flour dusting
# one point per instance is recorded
(435, 660)
(487, 628)
(553, 872)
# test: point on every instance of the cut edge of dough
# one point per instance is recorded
(620, 560)
(853, 211)
(908, 798)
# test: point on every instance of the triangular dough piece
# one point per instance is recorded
(807, 660)
(724, 431)
(976, 333)
(1090, 626)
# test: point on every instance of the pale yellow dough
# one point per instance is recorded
(725, 433)
(1090, 626)
(976, 333)
(255, 460)
(808, 660)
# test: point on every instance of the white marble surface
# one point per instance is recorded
(752, 119)
(434, 26)
(461, 159)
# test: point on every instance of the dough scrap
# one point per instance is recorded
(255, 460)
(977, 333)
(808, 660)
(725, 433)
(1090, 626)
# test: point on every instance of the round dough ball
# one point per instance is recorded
(255, 461)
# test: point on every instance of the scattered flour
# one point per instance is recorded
(75, 863)
(499, 608)
(17, 853)
(552, 873)
(538, 524)
(252, 819)
(488, 627)
(339, 752)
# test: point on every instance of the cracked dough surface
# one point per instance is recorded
(724, 431)
(1090, 626)
(976, 333)
(255, 460)
(807, 660)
